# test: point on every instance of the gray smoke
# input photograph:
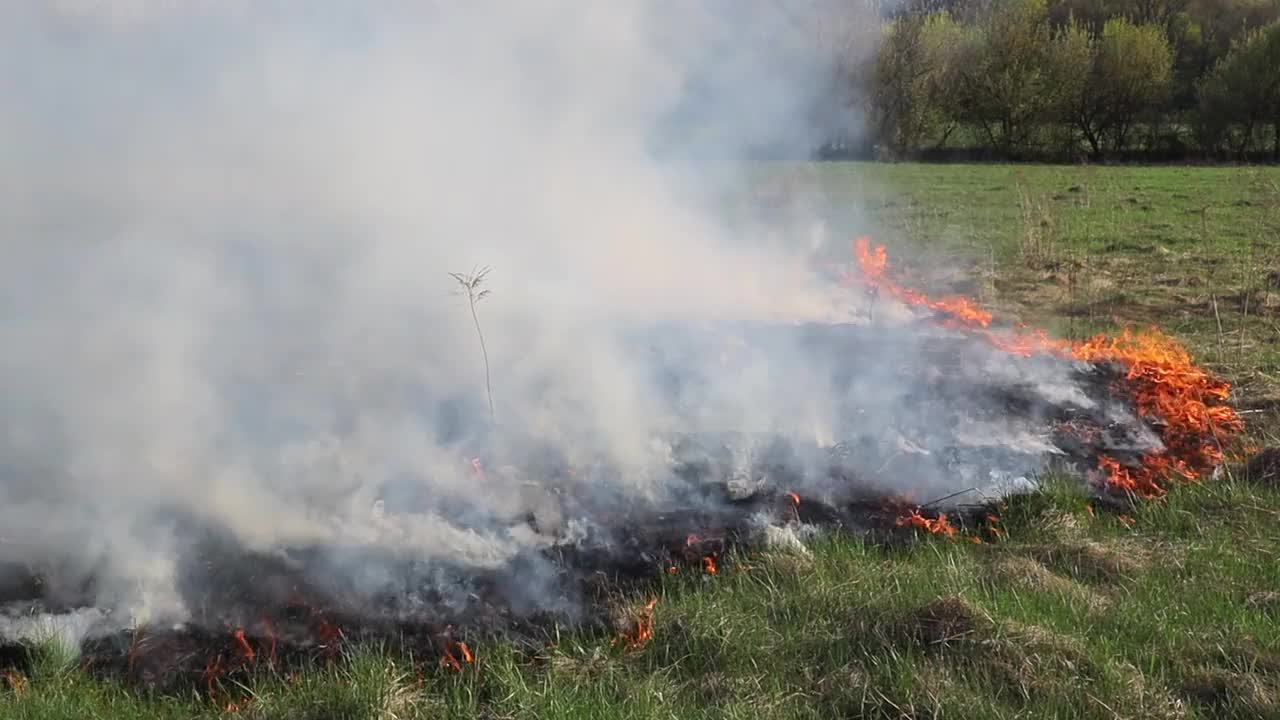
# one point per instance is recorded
(227, 232)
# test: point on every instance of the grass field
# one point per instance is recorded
(1172, 612)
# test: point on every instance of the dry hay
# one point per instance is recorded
(1223, 690)
(1027, 573)
(1267, 601)
(1090, 561)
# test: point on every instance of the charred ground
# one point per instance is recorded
(1165, 609)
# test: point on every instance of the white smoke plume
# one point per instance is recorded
(227, 233)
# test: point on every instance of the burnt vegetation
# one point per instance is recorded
(265, 627)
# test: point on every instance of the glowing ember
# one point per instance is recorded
(709, 565)
(1185, 403)
(937, 526)
(795, 499)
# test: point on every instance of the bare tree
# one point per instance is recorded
(470, 287)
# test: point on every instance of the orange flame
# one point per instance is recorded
(795, 499)
(641, 632)
(936, 526)
(456, 654)
(213, 670)
(1187, 403)
(246, 650)
(873, 262)
(329, 635)
(709, 565)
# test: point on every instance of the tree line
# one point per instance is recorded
(1076, 79)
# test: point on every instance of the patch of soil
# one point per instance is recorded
(1236, 694)
(945, 621)
(1264, 467)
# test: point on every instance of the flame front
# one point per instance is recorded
(1187, 404)
(874, 261)
(937, 526)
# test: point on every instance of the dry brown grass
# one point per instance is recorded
(1028, 574)
(1092, 561)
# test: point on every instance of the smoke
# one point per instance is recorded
(227, 233)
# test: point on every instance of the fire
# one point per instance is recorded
(456, 654)
(641, 631)
(328, 633)
(246, 650)
(937, 526)
(213, 671)
(795, 504)
(873, 262)
(1187, 404)
(708, 561)
(709, 565)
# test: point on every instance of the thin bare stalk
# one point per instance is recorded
(471, 287)
(1217, 317)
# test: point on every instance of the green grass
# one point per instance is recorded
(1081, 249)
(1171, 612)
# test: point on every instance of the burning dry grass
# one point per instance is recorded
(1011, 628)
(1188, 404)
